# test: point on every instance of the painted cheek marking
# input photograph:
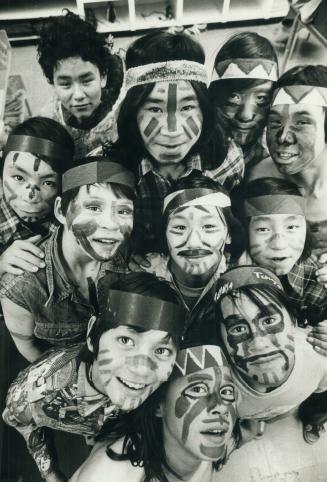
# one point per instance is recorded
(181, 407)
(152, 125)
(192, 125)
(106, 361)
(171, 107)
(195, 411)
(81, 232)
(37, 162)
(141, 361)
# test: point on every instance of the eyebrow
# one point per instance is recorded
(232, 320)
(67, 77)
(188, 98)
(21, 169)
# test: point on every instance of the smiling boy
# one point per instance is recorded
(131, 348)
(96, 219)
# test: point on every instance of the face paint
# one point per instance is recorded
(199, 412)
(247, 110)
(30, 192)
(261, 345)
(170, 121)
(295, 136)
(99, 221)
(131, 364)
(276, 241)
(196, 236)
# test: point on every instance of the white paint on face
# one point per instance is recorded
(295, 136)
(196, 237)
(198, 414)
(98, 222)
(78, 85)
(30, 185)
(276, 241)
(170, 121)
(133, 364)
(259, 342)
(247, 112)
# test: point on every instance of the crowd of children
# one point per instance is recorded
(162, 255)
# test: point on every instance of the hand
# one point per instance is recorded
(138, 262)
(22, 256)
(318, 338)
(321, 273)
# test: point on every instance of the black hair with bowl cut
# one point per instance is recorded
(244, 45)
(315, 75)
(196, 179)
(161, 47)
(51, 130)
(267, 186)
(145, 284)
(69, 36)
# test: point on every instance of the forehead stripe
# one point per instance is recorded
(171, 107)
(274, 204)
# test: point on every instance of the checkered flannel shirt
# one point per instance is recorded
(13, 228)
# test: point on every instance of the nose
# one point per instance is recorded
(246, 110)
(32, 193)
(215, 405)
(258, 344)
(141, 365)
(173, 126)
(78, 92)
(285, 135)
(194, 239)
(108, 220)
(278, 241)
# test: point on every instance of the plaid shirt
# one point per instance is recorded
(13, 228)
(55, 392)
(255, 154)
(153, 187)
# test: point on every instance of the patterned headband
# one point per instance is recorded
(245, 276)
(149, 313)
(300, 94)
(97, 171)
(37, 145)
(274, 204)
(194, 197)
(245, 69)
(196, 358)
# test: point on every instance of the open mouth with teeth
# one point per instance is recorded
(286, 156)
(131, 385)
(106, 241)
(194, 253)
(215, 433)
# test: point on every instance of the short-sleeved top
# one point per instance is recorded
(309, 375)
(60, 312)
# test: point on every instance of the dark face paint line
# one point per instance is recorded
(152, 125)
(192, 125)
(81, 232)
(172, 108)
(14, 158)
(37, 162)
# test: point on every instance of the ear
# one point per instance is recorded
(103, 81)
(58, 211)
(90, 325)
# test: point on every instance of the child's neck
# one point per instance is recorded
(171, 171)
(313, 179)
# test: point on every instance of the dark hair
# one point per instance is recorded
(48, 129)
(119, 190)
(143, 441)
(315, 75)
(270, 186)
(198, 180)
(269, 293)
(70, 36)
(141, 283)
(244, 45)
(159, 47)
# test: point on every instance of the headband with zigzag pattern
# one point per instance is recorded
(196, 358)
(300, 94)
(263, 69)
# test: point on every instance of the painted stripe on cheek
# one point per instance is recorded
(171, 107)
(192, 125)
(150, 127)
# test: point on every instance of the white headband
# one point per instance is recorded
(217, 199)
(300, 94)
(263, 69)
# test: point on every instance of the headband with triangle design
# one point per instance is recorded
(300, 94)
(196, 358)
(263, 69)
(194, 197)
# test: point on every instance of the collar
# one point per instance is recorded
(89, 399)
(192, 163)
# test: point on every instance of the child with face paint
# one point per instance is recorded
(273, 367)
(131, 348)
(96, 219)
(164, 123)
(77, 61)
(279, 239)
(245, 70)
(182, 432)
(199, 229)
(36, 154)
